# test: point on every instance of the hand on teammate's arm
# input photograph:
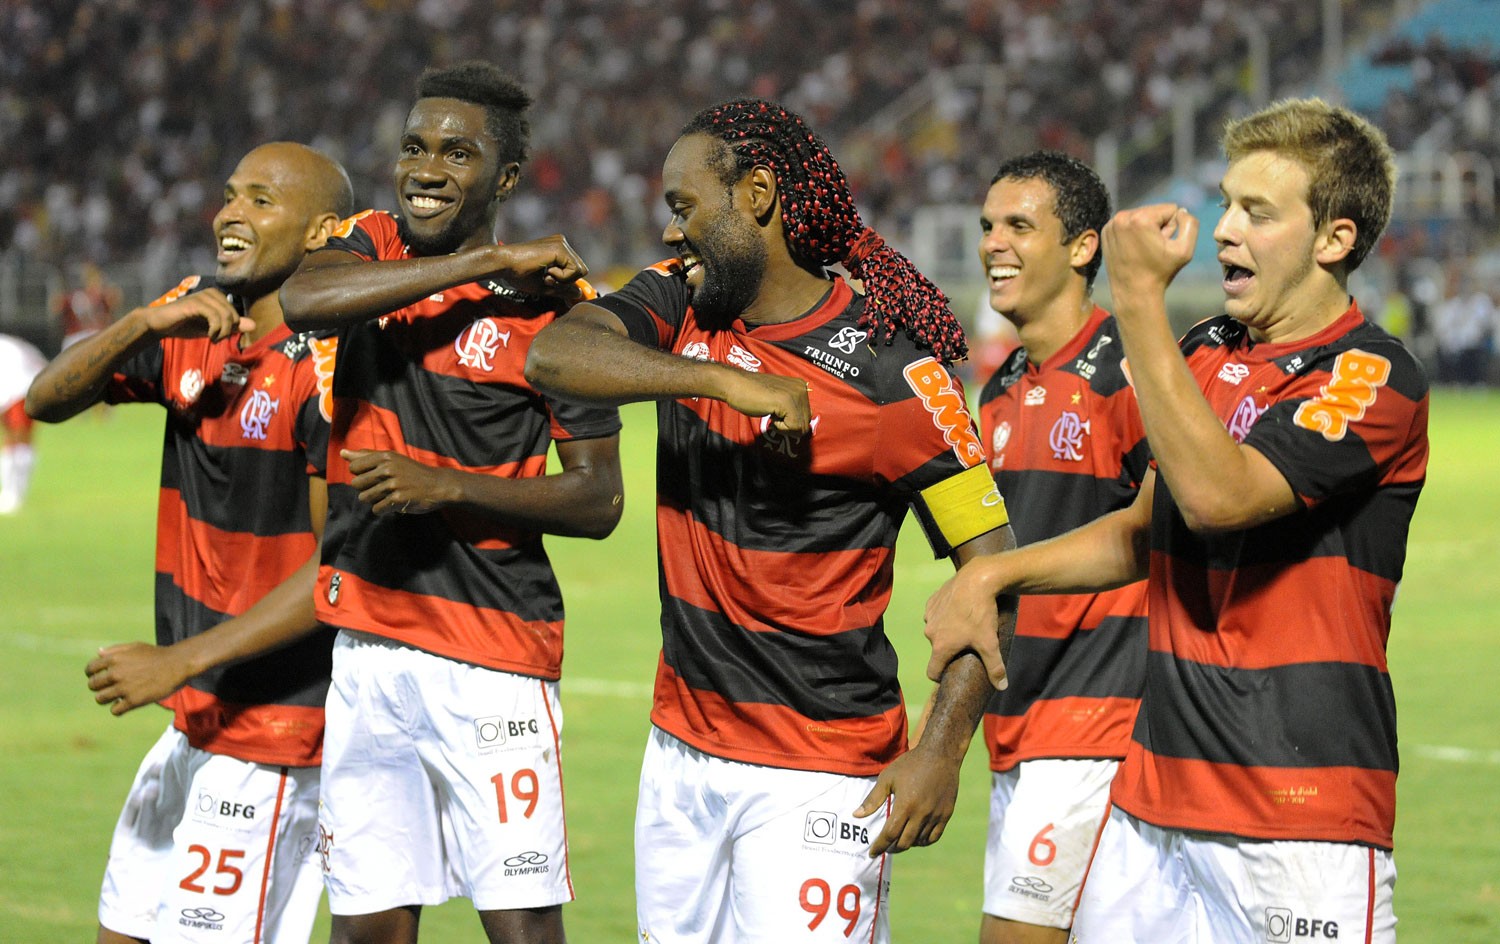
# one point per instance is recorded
(75, 379)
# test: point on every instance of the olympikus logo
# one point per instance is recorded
(743, 359)
(1356, 381)
(257, 413)
(1234, 373)
(945, 402)
(478, 344)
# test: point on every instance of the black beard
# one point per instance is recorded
(732, 281)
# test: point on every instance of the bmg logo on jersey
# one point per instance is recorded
(1282, 927)
(825, 829)
(492, 733)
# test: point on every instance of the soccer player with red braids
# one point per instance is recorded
(1256, 801)
(799, 420)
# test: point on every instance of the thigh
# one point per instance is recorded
(1136, 888)
(380, 839)
(1045, 818)
(681, 846)
(235, 852)
(801, 868)
(1281, 892)
(492, 743)
(140, 853)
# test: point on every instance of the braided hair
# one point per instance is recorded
(822, 225)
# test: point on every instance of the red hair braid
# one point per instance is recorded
(822, 225)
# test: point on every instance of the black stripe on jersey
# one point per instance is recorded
(1098, 666)
(501, 422)
(823, 678)
(230, 488)
(755, 499)
(296, 674)
(1369, 530)
(1278, 717)
(1044, 504)
(420, 554)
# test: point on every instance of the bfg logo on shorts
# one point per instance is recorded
(825, 829)
(492, 733)
(210, 807)
(1282, 927)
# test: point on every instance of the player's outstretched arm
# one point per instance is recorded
(584, 500)
(130, 675)
(332, 288)
(1108, 552)
(586, 356)
(922, 784)
(75, 379)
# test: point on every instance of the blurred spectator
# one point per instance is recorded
(19, 365)
(86, 307)
(1466, 323)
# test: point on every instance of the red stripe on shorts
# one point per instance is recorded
(561, 793)
(265, 872)
(1370, 901)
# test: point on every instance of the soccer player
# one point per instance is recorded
(217, 838)
(798, 420)
(442, 774)
(1290, 442)
(20, 362)
(1066, 446)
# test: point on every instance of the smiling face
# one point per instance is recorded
(449, 178)
(267, 221)
(720, 246)
(1029, 266)
(1267, 241)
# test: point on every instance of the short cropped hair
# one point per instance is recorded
(503, 97)
(1350, 166)
(1079, 198)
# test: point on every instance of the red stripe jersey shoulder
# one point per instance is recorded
(777, 550)
(1067, 445)
(441, 381)
(1281, 630)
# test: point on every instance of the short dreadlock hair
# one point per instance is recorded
(823, 226)
(1080, 201)
(503, 98)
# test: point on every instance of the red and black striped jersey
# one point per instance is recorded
(244, 430)
(1268, 711)
(776, 552)
(441, 381)
(1066, 446)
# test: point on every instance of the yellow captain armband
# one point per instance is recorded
(960, 508)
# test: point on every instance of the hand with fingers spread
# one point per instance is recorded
(206, 314)
(783, 399)
(922, 791)
(391, 483)
(132, 674)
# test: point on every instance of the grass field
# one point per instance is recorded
(75, 573)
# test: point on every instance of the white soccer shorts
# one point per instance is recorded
(1175, 887)
(210, 849)
(735, 853)
(440, 779)
(1045, 816)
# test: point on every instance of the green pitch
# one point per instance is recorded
(75, 573)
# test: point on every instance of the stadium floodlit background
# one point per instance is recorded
(121, 118)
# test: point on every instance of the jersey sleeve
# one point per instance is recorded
(928, 446)
(139, 378)
(652, 306)
(315, 402)
(1362, 419)
(362, 234)
(571, 421)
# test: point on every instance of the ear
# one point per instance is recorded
(1084, 248)
(1334, 241)
(506, 182)
(760, 189)
(319, 230)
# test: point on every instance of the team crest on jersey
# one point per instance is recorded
(257, 413)
(743, 359)
(1234, 372)
(478, 344)
(786, 443)
(1036, 396)
(696, 350)
(191, 385)
(1244, 417)
(999, 439)
(848, 339)
(1066, 438)
(335, 583)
